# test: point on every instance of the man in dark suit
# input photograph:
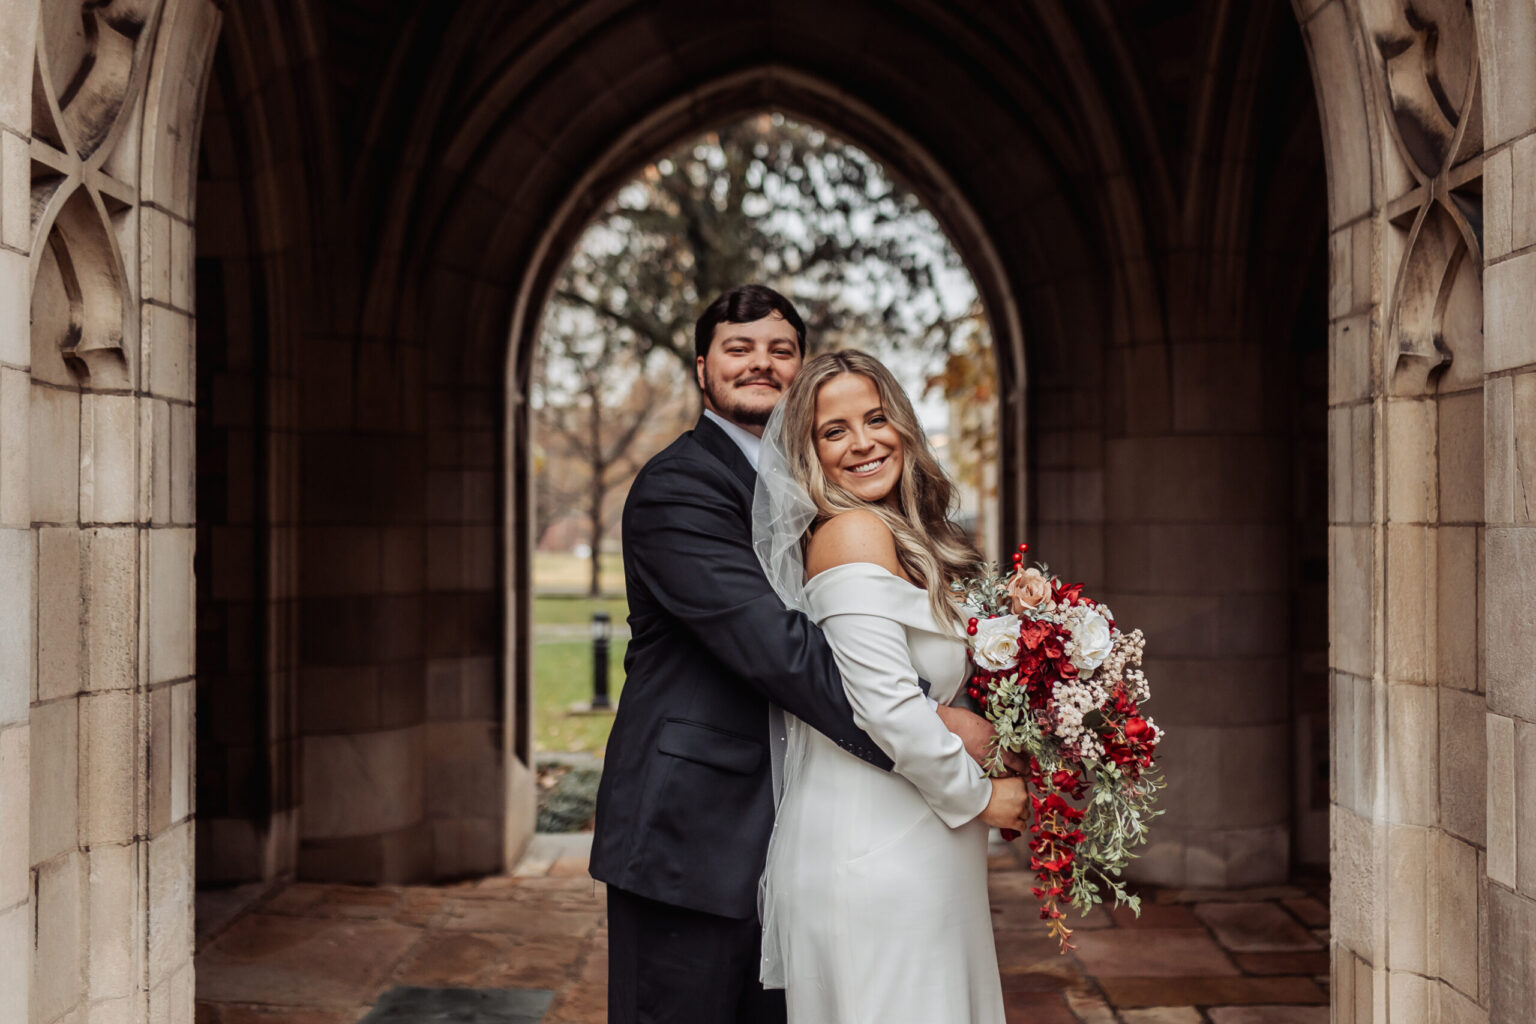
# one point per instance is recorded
(685, 807)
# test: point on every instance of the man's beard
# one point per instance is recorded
(721, 398)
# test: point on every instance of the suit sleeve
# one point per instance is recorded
(687, 541)
(881, 683)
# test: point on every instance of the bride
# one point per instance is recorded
(874, 897)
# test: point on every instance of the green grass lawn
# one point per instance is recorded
(562, 676)
(562, 672)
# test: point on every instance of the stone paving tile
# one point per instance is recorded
(1049, 973)
(1156, 915)
(574, 887)
(1313, 961)
(1163, 1015)
(1309, 910)
(471, 960)
(1036, 1008)
(1026, 952)
(543, 918)
(1014, 907)
(295, 898)
(569, 867)
(1128, 992)
(491, 882)
(1262, 893)
(1151, 953)
(218, 908)
(216, 1013)
(362, 902)
(1091, 1008)
(1254, 927)
(1269, 1015)
(420, 906)
(301, 961)
(585, 1000)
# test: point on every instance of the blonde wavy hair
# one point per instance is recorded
(930, 548)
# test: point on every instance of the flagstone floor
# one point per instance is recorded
(323, 954)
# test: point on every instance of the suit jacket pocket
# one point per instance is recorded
(704, 744)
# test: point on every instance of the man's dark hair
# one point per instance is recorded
(742, 305)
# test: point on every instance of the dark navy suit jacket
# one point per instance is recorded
(685, 806)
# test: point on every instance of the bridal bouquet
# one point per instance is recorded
(1062, 685)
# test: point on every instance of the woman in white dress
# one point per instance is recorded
(874, 896)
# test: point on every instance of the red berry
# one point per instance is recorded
(973, 621)
(1024, 548)
(971, 629)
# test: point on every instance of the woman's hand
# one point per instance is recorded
(978, 735)
(1006, 808)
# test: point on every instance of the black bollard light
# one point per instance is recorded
(602, 629)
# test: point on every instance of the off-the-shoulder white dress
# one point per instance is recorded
(875, 901)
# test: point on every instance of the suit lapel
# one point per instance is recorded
(718, 443)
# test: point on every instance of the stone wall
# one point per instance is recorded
(1507, 33)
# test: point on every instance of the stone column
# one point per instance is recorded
(1196, 555)
(1406, 512)
(362, 615)
(96, 508)
(1508, 32)
(18, 543)
(466, 765)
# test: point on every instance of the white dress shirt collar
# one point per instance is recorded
(749, 443)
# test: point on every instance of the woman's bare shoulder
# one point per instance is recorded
(855, 536)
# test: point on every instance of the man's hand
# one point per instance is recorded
(977, 734)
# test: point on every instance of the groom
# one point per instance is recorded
(685, 806)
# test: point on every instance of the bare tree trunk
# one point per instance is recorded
(595, 508)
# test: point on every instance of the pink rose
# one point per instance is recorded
(1027, 590)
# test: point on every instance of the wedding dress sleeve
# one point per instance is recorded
(865, 612)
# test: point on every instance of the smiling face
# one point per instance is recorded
(747, 368)
(856, 443)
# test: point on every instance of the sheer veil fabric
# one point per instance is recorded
(781, 513)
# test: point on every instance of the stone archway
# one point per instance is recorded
(1112, 329)
(804, 98)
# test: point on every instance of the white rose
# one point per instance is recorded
(996, 643)
(1091, 642)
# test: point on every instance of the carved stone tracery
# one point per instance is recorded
(88, 71)
(1429, 77)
